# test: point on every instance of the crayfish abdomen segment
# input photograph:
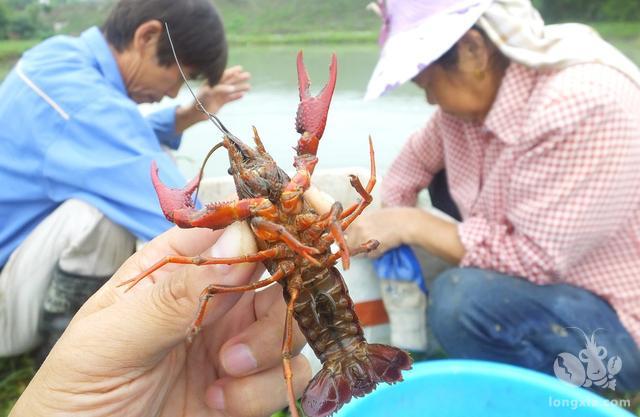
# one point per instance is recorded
(325, 313)
(351, 366)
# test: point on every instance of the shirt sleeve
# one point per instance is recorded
(103, 157)
(163, 124)
(419, 160)
(569, 190)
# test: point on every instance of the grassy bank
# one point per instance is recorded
(10, 52)
(15, 374)
(15, 47)
(624, 35)
(12, 49)
(336, 37)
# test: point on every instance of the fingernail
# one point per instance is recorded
(215, 398)
(239, 360)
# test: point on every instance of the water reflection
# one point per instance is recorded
(271, 107)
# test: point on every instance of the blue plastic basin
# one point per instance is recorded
(465, 388)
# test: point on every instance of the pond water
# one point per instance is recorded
(272, 102)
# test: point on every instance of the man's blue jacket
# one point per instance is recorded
(69, 130)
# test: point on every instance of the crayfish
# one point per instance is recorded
(294, 243)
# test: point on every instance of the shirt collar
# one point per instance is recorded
(103, 55)
(509, 108)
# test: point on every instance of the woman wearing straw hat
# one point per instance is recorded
(538, 129)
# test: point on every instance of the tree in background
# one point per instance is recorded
(23, 19)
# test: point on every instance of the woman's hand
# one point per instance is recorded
(389, 226)
(125, 353)
(394, 226)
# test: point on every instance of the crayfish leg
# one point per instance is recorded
(202, 260)
(270, 231)
(353, 211)
(336, 233)
(213, 289)
(366, 247)
(287, 344)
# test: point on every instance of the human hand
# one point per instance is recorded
(125, 353)
(389, 226)
(232, 86)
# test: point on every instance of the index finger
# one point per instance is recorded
(175, 241)
(187, 242)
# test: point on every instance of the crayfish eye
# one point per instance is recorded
(230, 171)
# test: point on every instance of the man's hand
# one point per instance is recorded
(233, 85)
(125, 353)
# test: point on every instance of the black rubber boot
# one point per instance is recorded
(66, 294)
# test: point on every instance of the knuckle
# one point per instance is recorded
(167, 298)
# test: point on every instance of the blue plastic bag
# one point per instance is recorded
(400, 264)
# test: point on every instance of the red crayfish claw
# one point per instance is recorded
(177, 204)
(311, 117)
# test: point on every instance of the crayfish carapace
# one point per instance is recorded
(294, 242)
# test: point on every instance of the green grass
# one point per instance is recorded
(75, 17)
(303, 38)
(617, 30)
(12, 49)
(10, 52)
(15, 374)
(623, 35)
(242, 17)
(300, 16)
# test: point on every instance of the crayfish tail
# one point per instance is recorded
(353, 376)
(326, 393)
(388, 362)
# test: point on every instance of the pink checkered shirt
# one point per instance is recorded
(548, 186)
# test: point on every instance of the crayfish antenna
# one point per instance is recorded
(212, 117)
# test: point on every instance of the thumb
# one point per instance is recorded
(148, 321)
